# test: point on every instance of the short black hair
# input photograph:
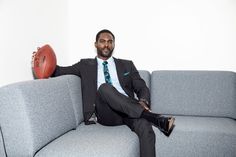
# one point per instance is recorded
(104, 31)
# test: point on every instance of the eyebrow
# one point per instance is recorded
(106, 40)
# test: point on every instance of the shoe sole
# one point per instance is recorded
(171, 123)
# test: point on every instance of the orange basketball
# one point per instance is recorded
(44, 62)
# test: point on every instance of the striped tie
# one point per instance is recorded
(106, 73)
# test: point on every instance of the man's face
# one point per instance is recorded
(105, 46)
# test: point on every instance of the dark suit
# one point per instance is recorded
(131, 83)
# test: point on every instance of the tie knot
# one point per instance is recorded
(105, 63)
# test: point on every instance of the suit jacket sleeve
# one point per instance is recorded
(68, 70)
(139, 85)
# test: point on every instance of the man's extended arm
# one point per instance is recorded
(69, 70)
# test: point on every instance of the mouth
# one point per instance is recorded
(106, 50)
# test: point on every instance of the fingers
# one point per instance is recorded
(144, 106)
(32, 59)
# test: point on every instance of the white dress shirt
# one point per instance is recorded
(113, 73)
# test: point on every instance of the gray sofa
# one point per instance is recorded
(43, 118)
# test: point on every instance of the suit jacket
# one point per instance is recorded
(86, 69)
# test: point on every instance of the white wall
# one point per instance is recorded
(26, 25)
(159, 34)
(155, 34)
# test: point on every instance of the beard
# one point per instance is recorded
(106, 53)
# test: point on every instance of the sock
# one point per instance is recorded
(151, 117)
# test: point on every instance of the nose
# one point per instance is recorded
(106, 44)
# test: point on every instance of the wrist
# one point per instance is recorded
(144, 100)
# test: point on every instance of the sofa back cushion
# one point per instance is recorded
(200, 93)
(146, 76)
(33, 113)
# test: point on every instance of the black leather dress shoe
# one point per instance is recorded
(165, 124)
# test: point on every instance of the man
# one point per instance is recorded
(108, 87)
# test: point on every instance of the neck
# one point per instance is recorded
(103, 58)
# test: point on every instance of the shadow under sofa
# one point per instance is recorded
(44, 118)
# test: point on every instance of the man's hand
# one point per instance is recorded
(144, 105)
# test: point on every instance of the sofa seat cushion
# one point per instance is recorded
(2, 149)
(94, 141)
(198, 136)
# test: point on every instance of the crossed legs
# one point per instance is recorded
(113, 108)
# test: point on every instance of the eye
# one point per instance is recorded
(110, 41)
(102, 41)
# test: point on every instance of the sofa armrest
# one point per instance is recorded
(34, 113)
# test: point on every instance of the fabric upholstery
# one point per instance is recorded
(94, 141)
(74, 87)
(2, 150)
(33, 113)
(146, 76)
(202, 93)
(198, 136)
(43, 118)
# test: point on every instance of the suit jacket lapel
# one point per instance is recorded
(120, 71)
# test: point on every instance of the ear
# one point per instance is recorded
(96, 44)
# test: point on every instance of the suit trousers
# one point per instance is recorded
(114, 108)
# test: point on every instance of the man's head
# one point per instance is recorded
(105, 44)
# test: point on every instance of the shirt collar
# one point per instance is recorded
(110, 61)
